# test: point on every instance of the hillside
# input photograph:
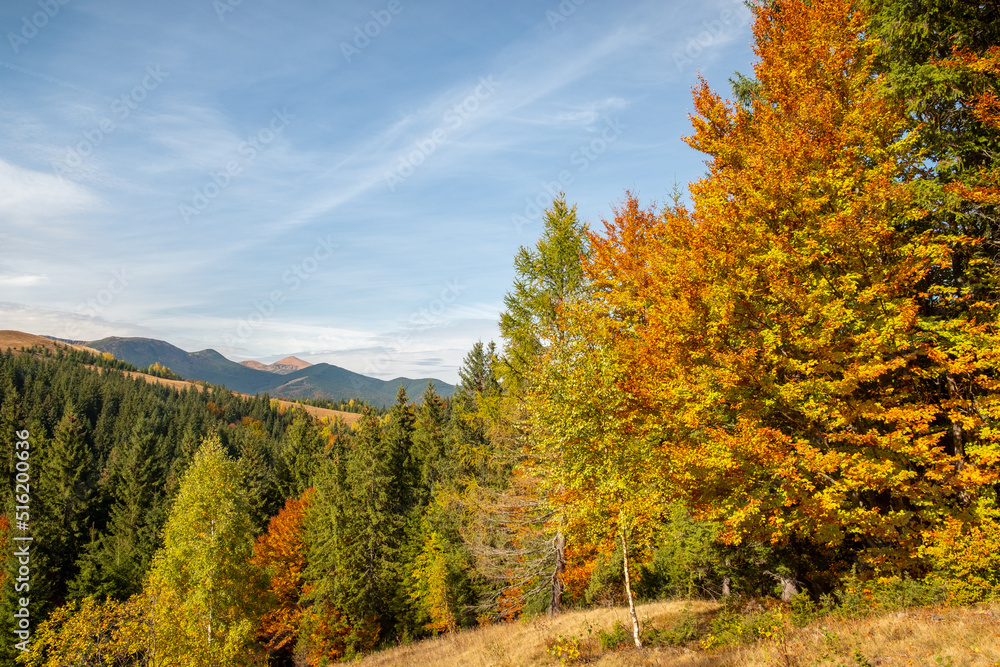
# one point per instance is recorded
(206, 365)
(309, 381)
(18, 339)
(918, 636)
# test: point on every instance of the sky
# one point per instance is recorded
(344, 181)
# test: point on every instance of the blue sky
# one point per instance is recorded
(343, 181)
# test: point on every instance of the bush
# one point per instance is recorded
(685, 630)
(616, 637)
(687, 563)
(860, 597)
(968, 557)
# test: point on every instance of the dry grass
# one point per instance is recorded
(521, 642)
(931, 636)
(19, 339)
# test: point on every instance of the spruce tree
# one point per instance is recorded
(115, 564)
(373, 528)
(429, 442)
(65, 488)
(300, 455)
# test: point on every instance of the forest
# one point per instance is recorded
(781, 383)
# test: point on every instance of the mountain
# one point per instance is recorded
(328, 381)
(307, 381)
(281, 367)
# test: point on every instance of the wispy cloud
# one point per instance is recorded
(392, 109)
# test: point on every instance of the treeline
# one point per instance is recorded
(146, 501)
(356, 405)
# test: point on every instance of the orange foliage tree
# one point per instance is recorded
(781, 346)
(281, 552)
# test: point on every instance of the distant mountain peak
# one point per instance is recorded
(288, 378)
(281, 367)
(292, 361)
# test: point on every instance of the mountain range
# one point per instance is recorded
(288, 378)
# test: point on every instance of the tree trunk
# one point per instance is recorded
(789, 585)
(628, 591)
(555, 601)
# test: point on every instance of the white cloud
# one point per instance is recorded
(23, 280)
(28, 197)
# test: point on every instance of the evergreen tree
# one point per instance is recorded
(115, 564)
(475, 408)
(65, 488)
(429, 442)
(400, 427)
(300, 455)
(367, 558)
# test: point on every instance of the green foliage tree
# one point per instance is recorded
(65, 488)
(546, 277)
(207, 596)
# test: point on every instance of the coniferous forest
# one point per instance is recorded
(784, 384)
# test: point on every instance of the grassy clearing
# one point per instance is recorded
(699, 633)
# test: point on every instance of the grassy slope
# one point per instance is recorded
(926, 636)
